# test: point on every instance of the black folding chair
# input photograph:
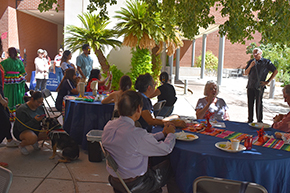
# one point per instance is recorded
(113, 165)
(46, 95)
(207, 184)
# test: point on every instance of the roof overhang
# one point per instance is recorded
(50, 16)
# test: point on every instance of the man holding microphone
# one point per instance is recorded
(257, 70)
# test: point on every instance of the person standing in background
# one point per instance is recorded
(56, 65)
(85, 63)
(41, 70)
(47, 60)
(14, 81)
(65, 61)
(257, 70)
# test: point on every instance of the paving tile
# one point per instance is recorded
(24, 184)
(87, 187)
(60, 172)
(87, 171)
(56, 186)
(36, 164)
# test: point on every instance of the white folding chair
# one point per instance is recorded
(207, 184)
(157, 107)
(113, 165)
(5, 179)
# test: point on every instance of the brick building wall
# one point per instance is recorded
(27, 32)
(33, 5)
(35, 33)
(235, 54)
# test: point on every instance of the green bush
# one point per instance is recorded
(117, 74)
(211, 62)
(140, 63)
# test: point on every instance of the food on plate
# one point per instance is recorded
(284, 136)
(222, 145)
(278, 135)
(190, 136)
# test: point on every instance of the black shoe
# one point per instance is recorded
(250, 122)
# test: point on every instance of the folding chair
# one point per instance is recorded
(206, 184)
(5, 179)
(157, 107)
(46, 93)
(113, 165)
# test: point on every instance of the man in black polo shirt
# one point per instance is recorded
(258, 69)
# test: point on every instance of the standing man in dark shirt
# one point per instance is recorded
(258, 69)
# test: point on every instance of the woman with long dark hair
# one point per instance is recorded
(65, 61)
(96, 76)
(14, 81)
(67, 86)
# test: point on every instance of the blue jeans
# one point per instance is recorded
(58, 73)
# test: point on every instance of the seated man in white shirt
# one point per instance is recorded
(131, 146)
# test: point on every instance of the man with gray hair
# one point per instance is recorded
(257, 70)
(131, 147)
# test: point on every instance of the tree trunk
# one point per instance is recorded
(102, 60)
(156, 63)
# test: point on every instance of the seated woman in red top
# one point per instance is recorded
(96, 75)
(282, 122)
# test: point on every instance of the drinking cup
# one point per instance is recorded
(235, 144)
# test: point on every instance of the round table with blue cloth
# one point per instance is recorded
(265, 166)
(81, 117)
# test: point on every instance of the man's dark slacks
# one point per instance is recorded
(255, 95)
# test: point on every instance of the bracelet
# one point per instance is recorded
(267, 81)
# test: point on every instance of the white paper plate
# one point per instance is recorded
(186, 138)
(260, 125)
(241, 147)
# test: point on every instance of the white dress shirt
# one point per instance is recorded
(131, 146)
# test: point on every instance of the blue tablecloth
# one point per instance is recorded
(265, 166)
(52, 82)
(81, 117)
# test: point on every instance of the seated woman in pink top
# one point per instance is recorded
(282, 122)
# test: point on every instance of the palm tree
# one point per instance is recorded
(145, 31)
(95, 34)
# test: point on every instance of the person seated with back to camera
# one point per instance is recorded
(67, 86)
(137, 146)
(211, 103)
(102, 84)
(282, 122)
(146, 86)
(124, 84)
(30, 114)
(165, 92)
